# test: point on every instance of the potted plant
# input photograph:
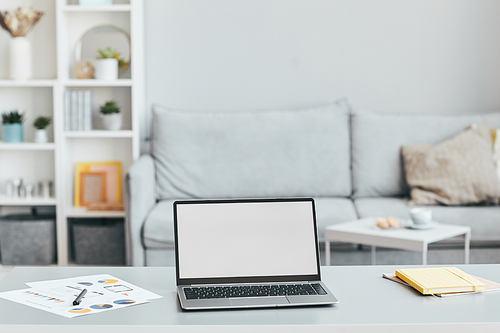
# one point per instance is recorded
(111, 116)
(12, 126)
(107, 64)
(41, 123)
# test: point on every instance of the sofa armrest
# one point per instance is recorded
(140, 198)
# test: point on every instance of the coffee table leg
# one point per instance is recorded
(467, 248)
(327, 252)
(424, 254)
(374, 257)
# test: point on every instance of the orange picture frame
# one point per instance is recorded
(113, 180)
(92, 187)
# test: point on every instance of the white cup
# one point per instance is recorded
(421, 215)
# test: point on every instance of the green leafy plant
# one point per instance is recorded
(110, 107)
(12, 117)
(109, 53)
(42, 122)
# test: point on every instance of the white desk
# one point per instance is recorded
(364, 231)
(368, 303)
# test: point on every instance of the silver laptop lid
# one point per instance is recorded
(231, 241)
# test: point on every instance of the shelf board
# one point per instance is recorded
(83, 213)
(8, 201)
(27, 83)
(112, 8)
(27, 146)
(98, 83)
(99, 134)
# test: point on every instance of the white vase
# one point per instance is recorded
(20, 58)
(40, 136)
(106, 69)
(112, 121)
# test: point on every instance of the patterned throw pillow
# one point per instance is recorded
(495, 133)
(457, 171)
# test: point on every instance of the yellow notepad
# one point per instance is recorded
(438, 280)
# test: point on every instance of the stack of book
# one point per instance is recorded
(442, 281)
(77, 110)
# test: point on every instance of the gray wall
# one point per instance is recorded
(390, 55)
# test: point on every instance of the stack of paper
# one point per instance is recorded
(78, 110)
(104, 293)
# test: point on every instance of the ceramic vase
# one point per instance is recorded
(40, 136)
(20, 58)
(12, 132)
(112, 121)
(106, 69)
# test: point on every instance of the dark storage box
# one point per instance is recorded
(98, 241)
(27, 240)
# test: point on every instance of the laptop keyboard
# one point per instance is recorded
(253, 291)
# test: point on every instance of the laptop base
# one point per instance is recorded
(254, 302)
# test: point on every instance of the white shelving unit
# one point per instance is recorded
(65, 22)
(27, 146)
(98, 83)
(93, 9)
(7, 201)
(27, 84)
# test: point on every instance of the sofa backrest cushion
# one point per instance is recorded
(377, 138)
(265, 153)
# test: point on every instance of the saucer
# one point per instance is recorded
(429, 225)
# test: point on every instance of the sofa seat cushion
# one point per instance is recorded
(332, 211)
(244, 154)
(377, 138)
(484, 220)
(158, 229)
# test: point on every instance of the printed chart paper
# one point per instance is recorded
(104, 293)
(63, 304)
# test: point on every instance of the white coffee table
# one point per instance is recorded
(364, 231)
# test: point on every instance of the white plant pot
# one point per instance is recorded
(106, 69)
(20, 58)
(40, 136)
(112, 121)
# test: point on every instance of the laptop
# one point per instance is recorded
(247, 254)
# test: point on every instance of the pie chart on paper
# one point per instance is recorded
(124, 301)
(107, 281)
(101, 306)
(88, 284)
(79, 310)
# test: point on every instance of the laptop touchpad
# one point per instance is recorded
(259, 300)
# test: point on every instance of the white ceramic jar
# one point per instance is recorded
(106, 69)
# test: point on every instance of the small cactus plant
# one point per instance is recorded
(110, 107)
(42, 122)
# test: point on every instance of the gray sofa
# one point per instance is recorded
(350, 162)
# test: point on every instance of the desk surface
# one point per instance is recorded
(368, 303)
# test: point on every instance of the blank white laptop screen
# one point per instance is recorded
(246, 239)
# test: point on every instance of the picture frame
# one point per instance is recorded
(113, 180)
(93, 187)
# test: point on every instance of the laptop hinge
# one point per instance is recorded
(246, 283)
